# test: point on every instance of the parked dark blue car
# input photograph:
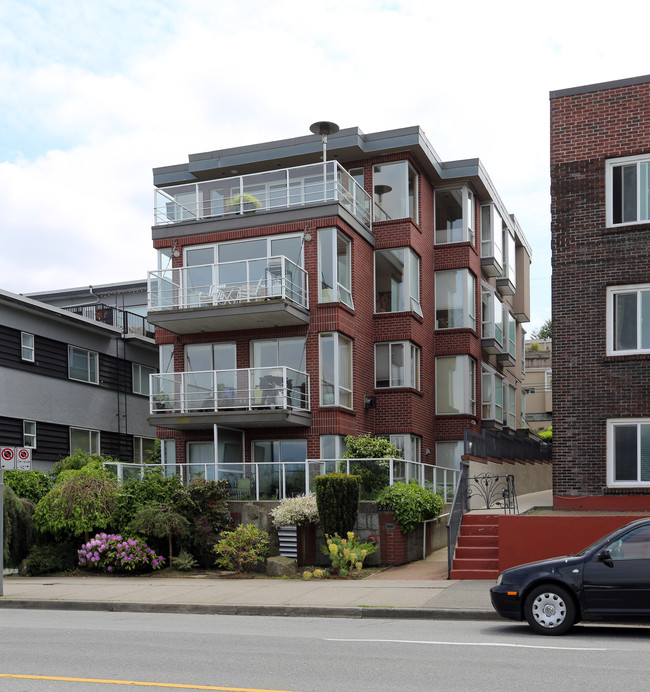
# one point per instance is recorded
(609, 580)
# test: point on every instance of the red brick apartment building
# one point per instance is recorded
(600, 186)
(298, 301)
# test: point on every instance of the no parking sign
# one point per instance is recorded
(7, 458)
(15, 458)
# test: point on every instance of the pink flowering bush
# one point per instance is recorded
(112, 553)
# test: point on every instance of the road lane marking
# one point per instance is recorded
(175, 686)
(514, 646)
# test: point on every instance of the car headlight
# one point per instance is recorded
(499, 579)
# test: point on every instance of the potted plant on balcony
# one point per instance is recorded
(248, 203)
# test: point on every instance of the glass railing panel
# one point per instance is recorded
(269, 478)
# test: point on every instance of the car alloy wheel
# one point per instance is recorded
(549, 609)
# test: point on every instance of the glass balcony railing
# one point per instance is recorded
(318, 183)
(243, 389)
(228, 283)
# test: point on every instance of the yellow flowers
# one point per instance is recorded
(347, 554)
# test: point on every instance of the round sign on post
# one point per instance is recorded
(7, 458)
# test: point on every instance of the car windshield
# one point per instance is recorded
(600, 541)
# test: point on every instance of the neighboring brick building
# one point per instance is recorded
(299, 302)
(600, 186)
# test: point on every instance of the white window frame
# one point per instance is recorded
(612, 292)
(642, 207)
(410, 364)
(411, 203)
(612, 424)
(91, 356)
(492, 322)
(29, 434)
(468, 298)
(343, 292)
(337, 385)
(469, 387)
(509, 405)
(27, 349)
(94, 440)
(340, 447)
(140, 378)
(410, 281)
(138, 450)
(548, 380)
(492, 233)
(468, 234)
(495, 383)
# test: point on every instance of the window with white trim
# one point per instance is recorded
(334, 267)
(141, 378)
(332, 446)
(85, 440)
(491, 395)
(509, 406)
(395, 188)
(409, 445)
(27, 346)
(455, 385)
(83, 365)
(335, 370)
(29, 434)
(628, 190)
(455, 299)
(492, 234)
(628, 452)
(628, 319)
(491, 315)
(141, 447)
(454, 215)
(397, 281)
(397, 364)
(449, 452)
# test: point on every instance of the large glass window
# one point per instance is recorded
(628, 319)
(395, 188)
(332, 446)
(397, 364)
(142, 448)
(509, 406)
(141, 378)
(277, 479)
(83, 365)
(628, 190)
(454, 215)
(491, 316)
(492, 234)
(491, 395)
(510, 257)
(335, 262)
(455, 385)
(449, 452)
(628, 452)
(397, 281)
(335, 370)
(409, 446)
(29, 433)
(455, 299)
(85, 440)
(27, 346)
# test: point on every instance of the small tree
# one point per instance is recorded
(161, 520)
(337, 497)
(81, 502)
(545, 331)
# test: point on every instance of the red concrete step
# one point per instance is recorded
(479, 529)
(482, 541)
(473, 574)
(473, 519)
(477, 552)
(482, 564)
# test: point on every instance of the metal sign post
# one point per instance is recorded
(2, 528)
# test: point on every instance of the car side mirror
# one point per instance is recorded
(605, 556)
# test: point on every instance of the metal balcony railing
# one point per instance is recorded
(228, 283)
(318, 183)
(277, 480)
(245, 389)
(128, 322)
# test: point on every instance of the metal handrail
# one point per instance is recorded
(458, 508)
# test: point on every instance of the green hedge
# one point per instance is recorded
(337, 497)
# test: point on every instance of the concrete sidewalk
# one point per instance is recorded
(367, 598)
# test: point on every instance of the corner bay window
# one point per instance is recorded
(491, 395)
(395, 188)
(455, 385)
(334, 267)
(397, 364)
(628, 190)
(335, 370)
(455, 299)
(397, 281)
(628, 319)
(454, 215)
(628, 452)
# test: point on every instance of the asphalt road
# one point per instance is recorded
(308, 654)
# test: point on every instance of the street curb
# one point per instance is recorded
(352, 612)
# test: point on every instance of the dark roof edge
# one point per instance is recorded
(588, 88)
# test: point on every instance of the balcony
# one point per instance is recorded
(289, 188)
(245, 294)
(128, 322)
(242, 398)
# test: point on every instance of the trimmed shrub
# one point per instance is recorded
(45, 559)
(32, 485)
(411, 504)
(337, 497)
(242, 549)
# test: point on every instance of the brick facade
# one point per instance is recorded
(590, 125)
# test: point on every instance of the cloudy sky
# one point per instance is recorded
(94, 94)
